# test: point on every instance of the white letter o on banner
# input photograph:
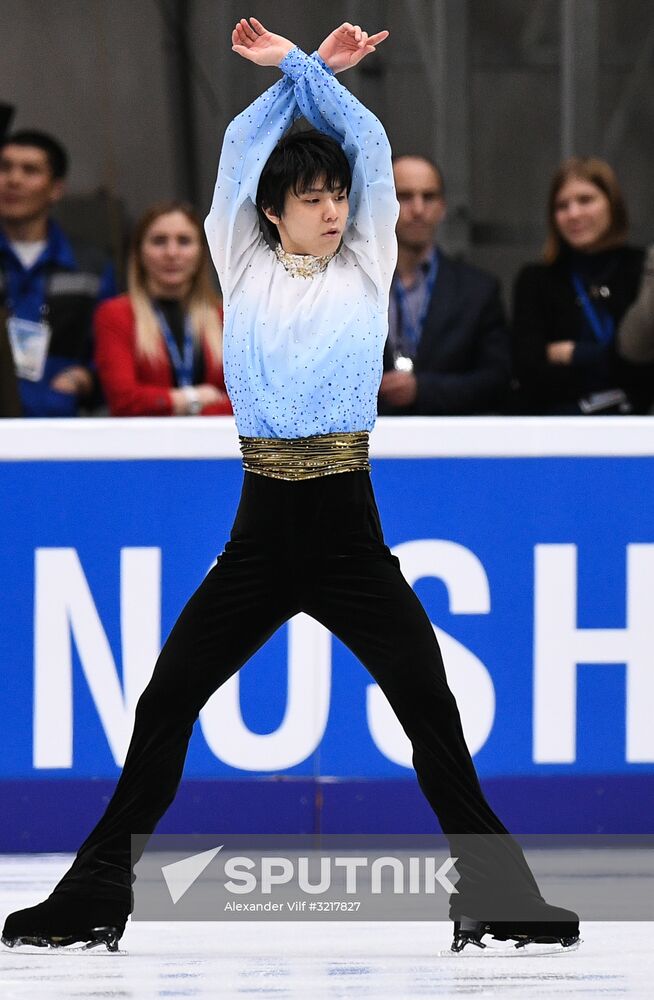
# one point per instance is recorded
(305, 718)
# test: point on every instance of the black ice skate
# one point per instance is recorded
(551, 925)
(64, 919)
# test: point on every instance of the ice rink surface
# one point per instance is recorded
(311, 961)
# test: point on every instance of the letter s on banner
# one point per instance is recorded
(305, 718)
(469, 593)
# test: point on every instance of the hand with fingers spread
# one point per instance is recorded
(252, 41)
(348, 45)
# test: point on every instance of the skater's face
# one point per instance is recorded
(28, 189)
(313, 222)
(582, 214)
(171, 253)
(422, 205)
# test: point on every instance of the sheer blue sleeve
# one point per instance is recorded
(332, 109)
(232, 226)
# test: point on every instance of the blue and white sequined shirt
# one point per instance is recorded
(303, 356)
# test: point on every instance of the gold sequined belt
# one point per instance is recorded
(306, 458)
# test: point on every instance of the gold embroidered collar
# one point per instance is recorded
(300, 265)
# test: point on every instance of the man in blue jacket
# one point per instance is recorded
(448, 347)
(49, 288)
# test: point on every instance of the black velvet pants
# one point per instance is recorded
(314, 546)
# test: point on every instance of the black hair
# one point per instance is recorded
(55, 153)
(299, 160)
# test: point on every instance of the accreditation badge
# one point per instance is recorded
(29, 345)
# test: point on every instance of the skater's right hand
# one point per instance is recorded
(348, 45)
(252, 41)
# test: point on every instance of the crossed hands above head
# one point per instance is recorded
(342, 49)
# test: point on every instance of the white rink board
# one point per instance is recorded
(393, 437)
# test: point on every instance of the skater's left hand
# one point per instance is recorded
(399, 388)
(348, 45)
(254, 42)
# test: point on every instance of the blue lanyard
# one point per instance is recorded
(183, 365)
(410, 331)
(601, 323)
(26, 292)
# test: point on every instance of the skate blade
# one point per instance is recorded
(107, 936)
(512, 949)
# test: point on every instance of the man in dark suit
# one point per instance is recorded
(448, 348)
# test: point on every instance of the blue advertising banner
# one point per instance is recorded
(530, 544)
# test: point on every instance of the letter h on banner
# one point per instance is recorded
(559, 647)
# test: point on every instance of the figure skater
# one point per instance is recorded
(302, 233)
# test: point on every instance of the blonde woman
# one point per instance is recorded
(159, 348)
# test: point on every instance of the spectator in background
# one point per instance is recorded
(635, 340)
(566, 309)
(448, 347)
(159, 348)
(49, 287)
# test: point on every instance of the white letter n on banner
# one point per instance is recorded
(559, 646)
(64, 609)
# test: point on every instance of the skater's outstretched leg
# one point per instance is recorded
(242, 601)
(368, 604)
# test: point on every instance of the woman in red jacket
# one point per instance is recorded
(159, 348)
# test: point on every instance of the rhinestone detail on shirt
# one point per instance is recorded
(301, 265)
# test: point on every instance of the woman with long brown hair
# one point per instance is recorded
(159, 348)
(567, 309)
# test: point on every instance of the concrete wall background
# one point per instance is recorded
(92, 73)
(476, 82)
